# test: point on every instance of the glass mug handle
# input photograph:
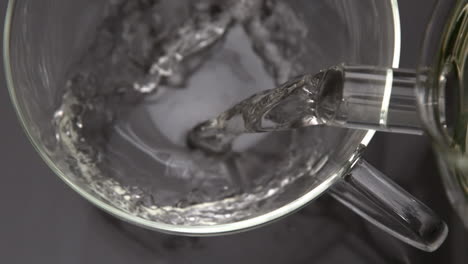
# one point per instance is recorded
(369, 193)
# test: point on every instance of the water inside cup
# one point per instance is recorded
(148, 78)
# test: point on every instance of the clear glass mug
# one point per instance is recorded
(152, 186)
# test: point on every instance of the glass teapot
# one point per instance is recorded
(443, 98)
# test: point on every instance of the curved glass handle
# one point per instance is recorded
(372, 195)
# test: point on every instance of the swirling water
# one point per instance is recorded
(154, 70)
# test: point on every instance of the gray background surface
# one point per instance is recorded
(44, 221)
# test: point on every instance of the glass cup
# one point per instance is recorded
(133, 163)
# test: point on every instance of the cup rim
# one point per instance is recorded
(189, 230)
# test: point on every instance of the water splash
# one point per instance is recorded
(142, 49)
